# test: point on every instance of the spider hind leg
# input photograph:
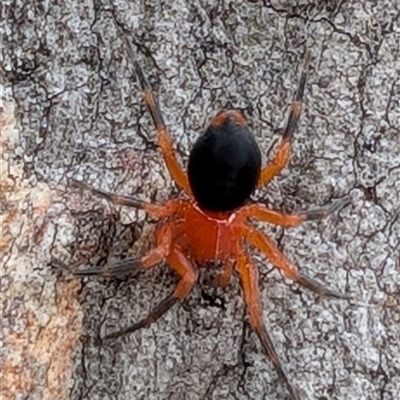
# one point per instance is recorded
(188, 277)
(249, 276)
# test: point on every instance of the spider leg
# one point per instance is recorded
(249, 276)
(157, 210)
(322, 212)
(283, 151)
(164, 140)
(262, 213)
(181, 265)
(154, 257)
(269, 248)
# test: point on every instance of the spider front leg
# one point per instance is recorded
(249, 276)
(165, 142)
(283, 151)
(188, 277)
(269, 248)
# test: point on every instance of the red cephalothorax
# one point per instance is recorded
(212, 222)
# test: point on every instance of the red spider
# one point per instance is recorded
(212, 221)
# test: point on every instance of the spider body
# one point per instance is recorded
(224, 164)
(215, 232)
(213, 220)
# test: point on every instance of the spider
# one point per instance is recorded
(212, 221)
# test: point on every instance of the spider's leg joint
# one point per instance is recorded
(188, 277)
(113, 198)
(303, 78)
(249, 277)
(269, 248)
(119, 268)
(141, 77)
(317, 288)
(319, 213)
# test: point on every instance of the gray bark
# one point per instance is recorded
(71, 107)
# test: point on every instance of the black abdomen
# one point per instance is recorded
(224, 164)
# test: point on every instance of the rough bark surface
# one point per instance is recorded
(71, 107)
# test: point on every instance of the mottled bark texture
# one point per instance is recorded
(71, 107)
